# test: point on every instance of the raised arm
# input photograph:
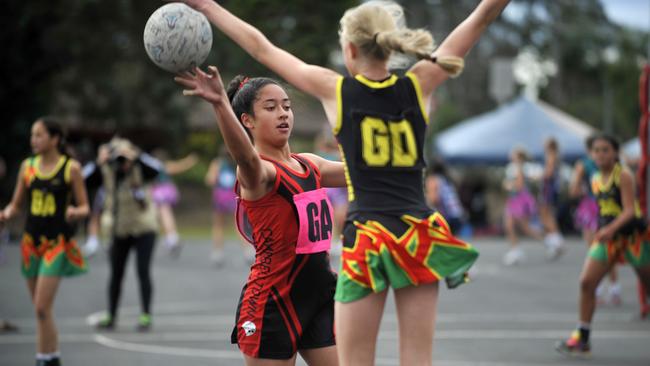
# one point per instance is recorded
(253, 173)
(458, 43)
(315, 80)
(175, 167)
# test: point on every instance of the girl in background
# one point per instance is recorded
(549, 196)
(221, 177)
(622, 236)
(165, 195)
(441, 195)
(586, 217)
(50, 181)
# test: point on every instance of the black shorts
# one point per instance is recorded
(279, 319)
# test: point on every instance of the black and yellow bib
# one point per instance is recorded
(608, 196)
(380, 129)
(48, 196)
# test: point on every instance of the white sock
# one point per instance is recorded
(48, 356)
(171, 239)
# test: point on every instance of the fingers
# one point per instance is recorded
(200, 73)
(185, 82)
(190, 93)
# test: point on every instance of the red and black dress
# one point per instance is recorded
(287, 303)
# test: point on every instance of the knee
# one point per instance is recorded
(42, 312)
(587, 285)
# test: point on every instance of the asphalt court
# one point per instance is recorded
(506, 316)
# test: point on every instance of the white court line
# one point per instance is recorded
(212, 337)
(388, 318)
(160, 350)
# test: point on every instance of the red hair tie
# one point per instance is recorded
(243, 82)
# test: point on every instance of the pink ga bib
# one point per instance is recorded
(315, 221)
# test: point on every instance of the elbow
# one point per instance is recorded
(84, 211)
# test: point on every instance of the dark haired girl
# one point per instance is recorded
(287, 304)
(49, 181)
(622, 236)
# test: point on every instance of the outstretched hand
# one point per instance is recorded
(205, 85)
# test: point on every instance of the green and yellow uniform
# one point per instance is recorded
(390, 238)
(632, 242)
(47, 246)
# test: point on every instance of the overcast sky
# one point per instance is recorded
(633, 13)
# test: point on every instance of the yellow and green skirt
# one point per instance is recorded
(633, 249)
(375, 258)
(51, 257)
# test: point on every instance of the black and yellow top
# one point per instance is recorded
(610, 203)
(380, 129)
(48, 196)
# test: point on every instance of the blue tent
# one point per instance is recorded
(632, 148)
(489, 138)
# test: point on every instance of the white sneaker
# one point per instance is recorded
(614, 294)
(513, 256)
(91, 247)
(554, 243)
(173, 245)
(217, 258)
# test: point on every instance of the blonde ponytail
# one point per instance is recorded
(378, 28)
(453, 65)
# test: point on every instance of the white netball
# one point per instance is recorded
(177, 37)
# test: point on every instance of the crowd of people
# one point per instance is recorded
(362, 194)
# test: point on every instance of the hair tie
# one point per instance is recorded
(243, 82)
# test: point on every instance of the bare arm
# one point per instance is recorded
(332, 172)
(82, 208)
(458, 43)
(575, 187)
(17, 199)
(175, 167)
(432, 190)
(315, 80)
(254, 174)
(212, 173)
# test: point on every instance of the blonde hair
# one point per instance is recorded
(378, 28)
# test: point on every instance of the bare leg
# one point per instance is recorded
(325, 356)
(510, 230)
(250, 361)
(218, 220)
(592, 273)
(167, 219)
(31, 286)
(47, 338)
(547, 216)
(644, 277)
(357, 325)
(416, 313)
(524, 225)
